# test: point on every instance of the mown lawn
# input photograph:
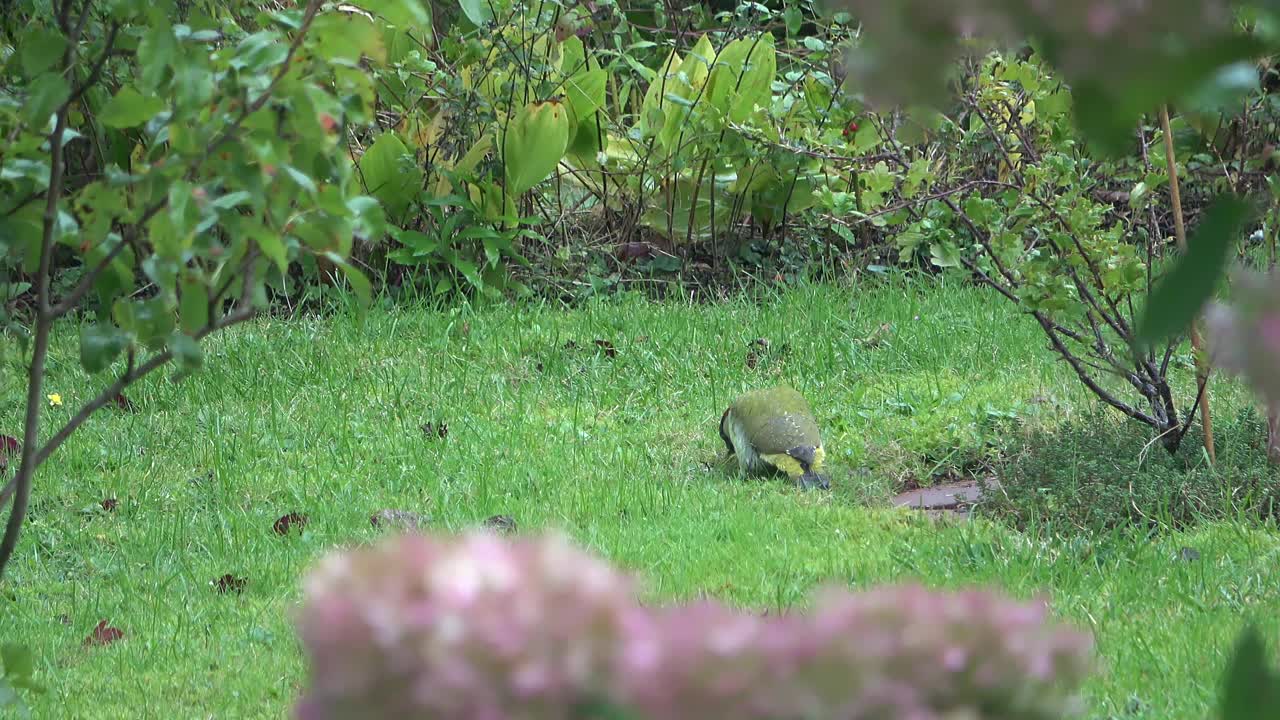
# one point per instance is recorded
(616, 444)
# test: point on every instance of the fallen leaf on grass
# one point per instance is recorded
(502, 523)
(123, 403)
(103, 634)
(229, 583)
(874, 339)
(287, 522)
(609, 350)
(9, 447)
(435, 430)
(634, 251)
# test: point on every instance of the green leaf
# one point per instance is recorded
(401, 13)
(1249, 689)
(187, 352)
(156, 52)
(1107, 107)
(793, 19)
(41, 49)
(99, 346)
(271, 245)
(300, 178)
(944, 255)
(534, 143)
(477, 11)
(756, 87)
(18, 660)
(1181, 294)
(152, 322)
(344, 38)
(260, 52)
(584, 93)
(359, 283)
(44, 95)
(129, 108)
(193, 304)
(9, 699)
(390, 174)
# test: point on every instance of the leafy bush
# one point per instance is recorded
(1095, 473)
(206, 161)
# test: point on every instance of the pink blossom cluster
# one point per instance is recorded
(1244, 338)
(478, 627)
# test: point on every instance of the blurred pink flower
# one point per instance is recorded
(480, 627)
(1244, 337)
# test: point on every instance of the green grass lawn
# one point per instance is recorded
(324, 416)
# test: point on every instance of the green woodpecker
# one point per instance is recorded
(774, 429)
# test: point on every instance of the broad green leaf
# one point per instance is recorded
(271, 245)
(152, 322)
(359, 283)
(756, 87)
(573, 56)
(401, 13)
(99, 346)
(653, 96)
(40, 49)
(586, 140)
(1249, 688)
(944, 255)
(391, 174)
(186, 352)
(477, 11)
(44, 95)
(722, 82)
(37, 171)
(368, 219)
(156, 52)
(193, 304)
(696, 67)
(793, 19)
(260, 52)
(23, 230)
(1107, 108)
(345, 38)
(584, 94)
(1182, 293)
(193, 85)
(535, 141)
(129, 108)
(18, 660)
(1226, 87)
(303, 180)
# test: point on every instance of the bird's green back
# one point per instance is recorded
(776, 419)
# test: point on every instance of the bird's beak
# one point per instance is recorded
(812, 481)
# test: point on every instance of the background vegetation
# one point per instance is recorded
(583, 228)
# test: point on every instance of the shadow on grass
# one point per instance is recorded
(1101, 472)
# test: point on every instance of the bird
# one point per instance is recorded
(774, 429)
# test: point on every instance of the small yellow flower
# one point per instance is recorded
(55, 400)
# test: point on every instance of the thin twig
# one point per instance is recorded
(1180, 231)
